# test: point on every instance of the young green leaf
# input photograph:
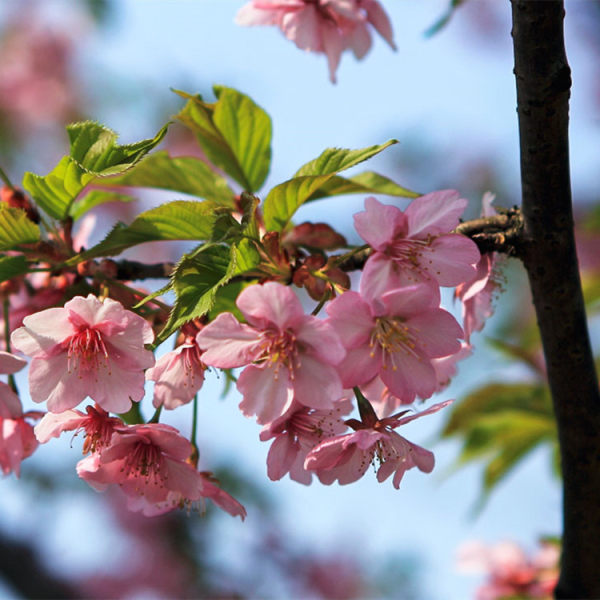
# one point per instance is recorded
(284, 199)
(179, 220)
(94, 153)
(234, 132)
(11, 266)
(16, 228)
(184, 174)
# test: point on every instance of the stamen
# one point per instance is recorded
(393, 337)
(84, 350)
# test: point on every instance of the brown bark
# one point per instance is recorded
(548, 252)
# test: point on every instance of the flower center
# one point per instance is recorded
(85, 349)
(409, 252)
(393, 337)
(280, 349)
(145, 461)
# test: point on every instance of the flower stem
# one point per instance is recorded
(5, 308)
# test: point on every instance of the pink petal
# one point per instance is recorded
(359, 40)
(380, 21)
(351, 318)
(360, 365)
(412, 375)
(52, 424)
(450, 259)
(270, 304)
(320, 339)
(316, 384)
(266, 394)
(282, 453)
(379, 224)
(227, 343)
(408, 302)
(42, 331)
(432, 409)
(434, 213)
(437, 332)
(303, 27)
(9, 363)
(10, 405)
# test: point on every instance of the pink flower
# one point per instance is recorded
(511, 573)
(144, 460)
(17, 441)
(415, 245)
(478, 292)
(298, 431)
(290, 355)
(395, 337)
(178, 375)
(88, 348)
(325, 26)
(346, 458)
(97, 424)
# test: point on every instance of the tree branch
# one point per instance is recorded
(548, 252)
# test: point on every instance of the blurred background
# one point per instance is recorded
(449, 99)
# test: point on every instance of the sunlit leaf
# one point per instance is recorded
(179, 220)
(184, 174)
(11, 266)
(16, 228)
(234, 132)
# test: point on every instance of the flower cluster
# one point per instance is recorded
(388, 344)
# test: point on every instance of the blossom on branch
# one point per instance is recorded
(90, 347)
(290, 355)
(416, 245)
(395, 337)
(325, 26)
(347, 457)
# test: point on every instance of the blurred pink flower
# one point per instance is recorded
(179, 374)
(324, 26)
(296, 433)
(415, 245)
(346, 458)
(88, 348)
(293, 354)
(511, 573)
(394, 337)
(17, 441)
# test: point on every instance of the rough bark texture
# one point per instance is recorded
(543, 86)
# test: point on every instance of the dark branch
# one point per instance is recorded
(548, 252)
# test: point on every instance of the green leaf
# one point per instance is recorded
(94, 153)
(16, 228)
(94, 198)
(199, 276)
(234, 132)
(94, 148)
(284, 199)
(334, 160)
(179, 220)
(363, 183)
(500, 424)
(11, 266)
(183, 174)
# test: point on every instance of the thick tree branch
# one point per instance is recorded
(548, 252)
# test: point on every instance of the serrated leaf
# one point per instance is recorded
(12, 266)
(95, 198)
(178, 220)
(95, 149)
(234, 132)
(16, 228)
(363, 183)
(198, 278)
(94, 153)
(284, 199)
(184, 174)
(334, 160)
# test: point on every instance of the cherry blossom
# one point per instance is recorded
(347, 457)
(178, 375)
(17, 440)
(477, 293)
(298, 431)
(290, 355)
(394, 337)
(97, 424)
(325, 26)
(90, 347)
(415, 245)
